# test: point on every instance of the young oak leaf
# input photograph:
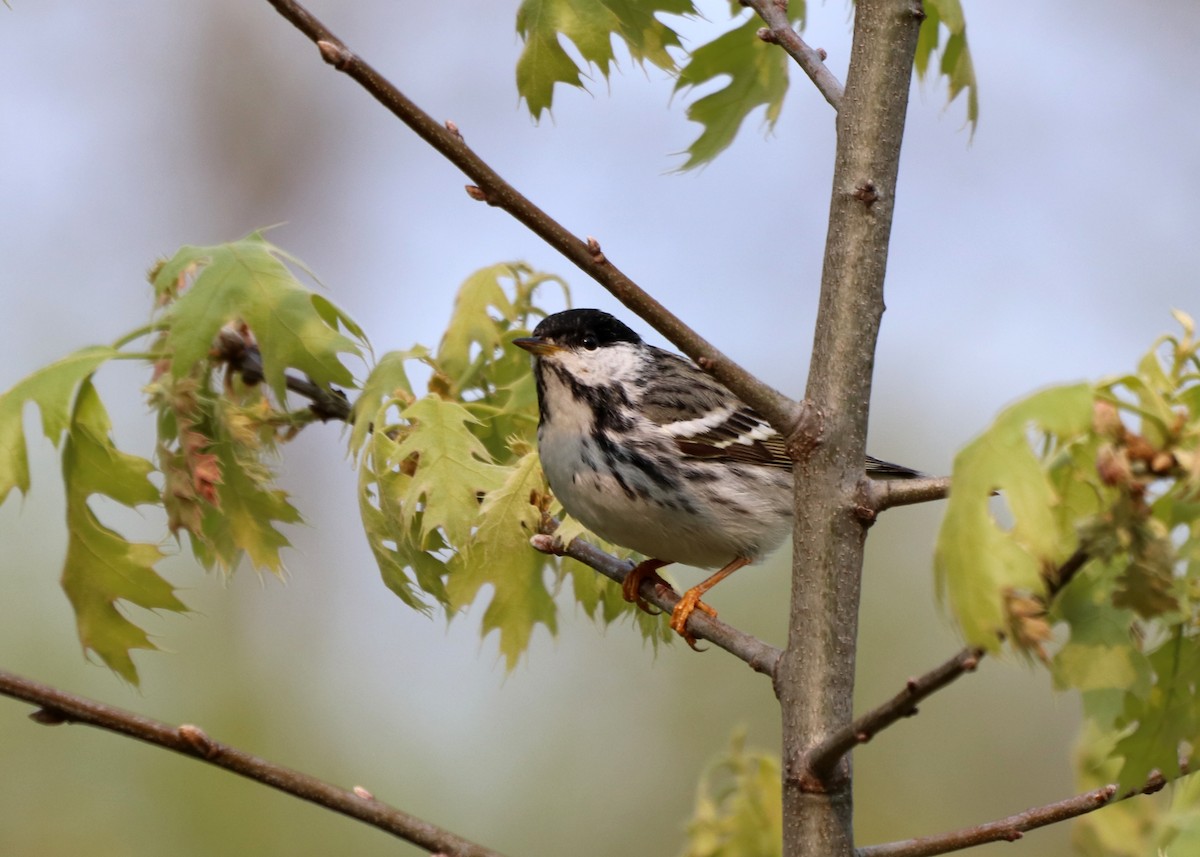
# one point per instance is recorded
(978, 564)
(739, 806)
(102, 567)
(452, 468)
(499, 554)
(1166, 717)
(956, 63)
(246, 281)
(53, 389)
(758, 75)
(590, 25)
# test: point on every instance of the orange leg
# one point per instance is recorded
(630, 587)
(690, 602)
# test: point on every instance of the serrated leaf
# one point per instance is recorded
(978, 564)
(474, 327)
(53, 389)
(956, 64)
(101, 567)
(1165, 717)
(453, 468)
(246, 281)
(386, 386)
(499, 555)
(758, 75)
(591, 26)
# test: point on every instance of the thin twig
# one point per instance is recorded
(779, 31)
(889, 493)
(1011, 828)
(760, 656)
(57, 706)
(823, 756)
(780, 411)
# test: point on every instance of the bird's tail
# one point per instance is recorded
(877, 469)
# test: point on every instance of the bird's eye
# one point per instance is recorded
(590, 343)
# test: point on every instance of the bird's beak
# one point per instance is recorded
(536, 345)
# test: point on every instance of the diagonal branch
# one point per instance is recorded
(57, 706)
(1011, 828)
(779, 31)
(780, 411)
(823, 756)
(758, 655)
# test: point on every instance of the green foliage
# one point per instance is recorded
(450, 487)
(590, 25)
(754, 73)
(758, 75)
(1111, 470)
(739, 807)
(956, 62)
(214, 305)
(101, 566)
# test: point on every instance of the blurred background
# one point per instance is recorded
(1047, 247)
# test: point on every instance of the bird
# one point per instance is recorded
(649, 452)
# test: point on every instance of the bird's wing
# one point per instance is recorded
(707, 421)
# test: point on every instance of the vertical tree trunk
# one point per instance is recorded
(815, 681)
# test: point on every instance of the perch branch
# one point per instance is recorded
(779, 31)
(782, 413)
(1013, 827)
(758, 655)
(57, 706)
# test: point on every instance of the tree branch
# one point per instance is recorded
(1011, 828)
(780, 411)
(779, 31)
(815, 679)
(57, 706)
(758, 655)
(821, 759)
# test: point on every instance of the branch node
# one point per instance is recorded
(823, 54)
(478, 194)
(50, 717)
(453, 129)
(862, 737)
(334, 54)
(866, 193)
(360, 792)
(198, 740)
(593, 247)
(766, 34)
(706, 363)
(547, 544)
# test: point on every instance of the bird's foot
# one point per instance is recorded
(689, 604)
(631, 587)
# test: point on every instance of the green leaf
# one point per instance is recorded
(246, 282)
(978, 564)
(102, 567)
(758, 75)
(386, 387)
(956, 64)
(739, 807)
(499, 555)
(1164, 718)
(53, 389)
(591, 26)
(453, 468)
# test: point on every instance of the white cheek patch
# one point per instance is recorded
(611, 364)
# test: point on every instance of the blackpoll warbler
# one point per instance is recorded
(649, 452)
